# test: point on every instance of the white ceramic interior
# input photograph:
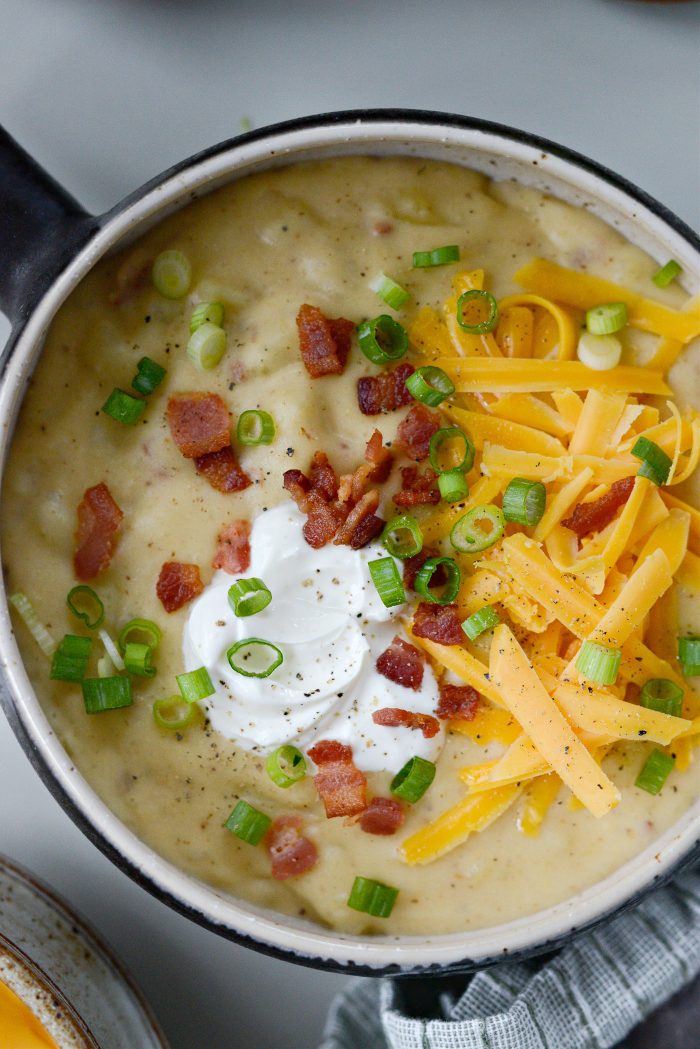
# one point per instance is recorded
(501, 154)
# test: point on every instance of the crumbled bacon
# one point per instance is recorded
(177, 584)
(417, 489)
(323, 477)
(99, 518)
(457, 702)
(396, 717)
(382, 816)
(322, 521)
(438, 623)
(222, 470)
(378, 457)
(290, 852)
(298, 485)
(199, 423)
(361, 524)
(592, 517)
(413, 565)
(415, 431)
(402, 663)
(384, 392)
(233, 549)
(324, 343)
(341, 785)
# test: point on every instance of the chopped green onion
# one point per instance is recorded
(142, 626)
(607, 318)
(38, 631)
(662, 695)
(469, 536)
(206, 313)
(663, 277)
(690, 669)
(172, 274)
(70, 659)
(207, 346)
(123, 407)
(250, 647)
(137, 659)
(106, 693)
(92, 617)
(524, 501)
(247, 597)
(598, 663)
(255, 427)
(111, 650)
(483, 298)
(388, 290)
(426, 573)
(149, 375)
(386, 578)
(453, 486)
(402, 537)
(656, 465)
(173, 713)
(600, 353)
(436, 257)
(195, 685)
(485, 619)
(412, 781)
(655, 772)
(247, 823)
(105, 667)
(451, 433)
(689, 655)
(286, 766)
(430, 385)
(372, 897)
(382, 339)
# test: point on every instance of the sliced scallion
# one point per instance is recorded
(656, 465)
(247, 597)
(149, 376)
(386, 578)
(111, 650)
(140, 626)
(206, 313)
(106, 693)
(598, 663)
(412, 781)
(382, 339)
(655, 771)
(123, 407)
(449, 434)
(453, 486)
(255, 427)
(485, 619)
(94, 613)
(484, 301)
(389, 291)
(479, 529)
(663, 277)
(38, 631)
(436, 257)
(607, 318)
(172, 274)
(207, 346)
(426, 573)
(402, 537)
(662, 695)
(261, 655)
(430, 385)
(689, 655)
(600, 353)
(70, 659)
(248, 823)
(286, 766)
(173, 713)
(524, 501)
(195, 685)
(372, 897)
(137, 659)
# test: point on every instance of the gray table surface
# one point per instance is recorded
(106, 93)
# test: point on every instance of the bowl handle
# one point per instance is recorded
(41, 230)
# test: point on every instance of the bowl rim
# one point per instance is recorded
(239, 921)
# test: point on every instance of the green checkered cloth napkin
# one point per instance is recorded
(587, 996)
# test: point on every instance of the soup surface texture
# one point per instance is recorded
(319, 233)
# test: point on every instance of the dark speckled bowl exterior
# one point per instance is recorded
(52, 243)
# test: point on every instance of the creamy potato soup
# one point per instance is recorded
(365, 736)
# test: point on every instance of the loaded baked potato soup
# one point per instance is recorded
(351, 526)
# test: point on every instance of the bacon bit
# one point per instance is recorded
(233, 552)
(367, 530)
(379, 458)
(322, 522)
(415, 431)
(290, 852)
(323, 477)
(413, 565)
(382, 816)
(457, 702)
(177, 584)
(199, 423)
(324, 343)
(298, 485)
(99, 518)
(384, 392)
(592, 517)
(438, 623)
(341, 785)
(417, 488)
(381, 228)
(222, 470)
(402, 663)
(355, 530)
(395, 717)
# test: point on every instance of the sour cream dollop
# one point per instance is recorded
(330, 624)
